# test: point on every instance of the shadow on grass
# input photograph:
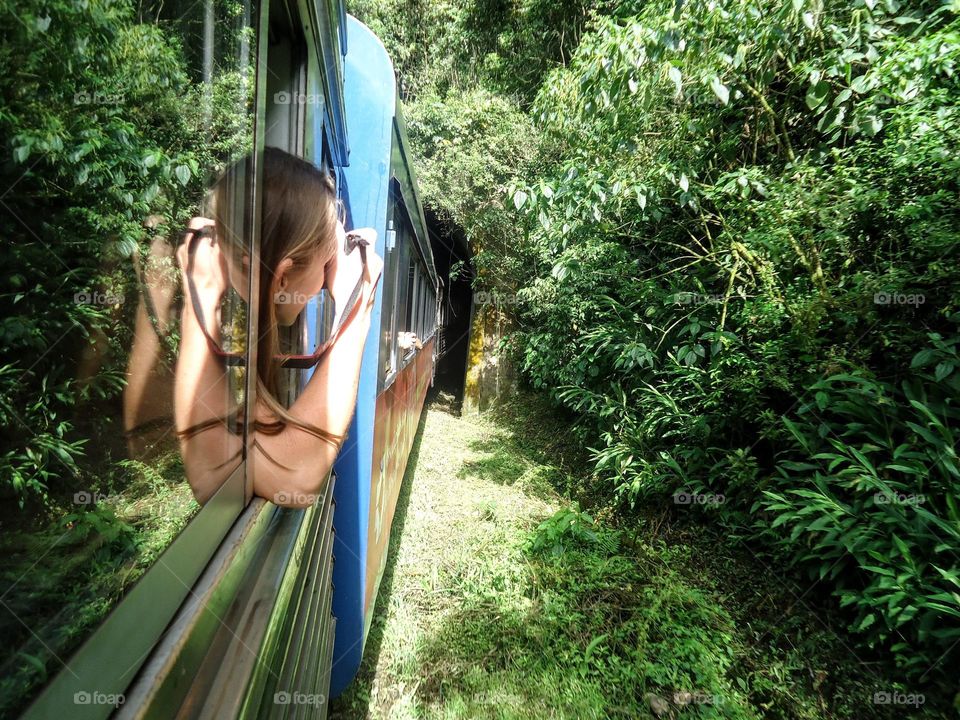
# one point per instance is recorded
(593, 635)
(354, 700)
(531, 449)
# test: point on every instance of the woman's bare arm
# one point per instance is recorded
(201, 389)
(291, 467)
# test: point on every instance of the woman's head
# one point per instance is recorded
(298, 234)
(300, 216)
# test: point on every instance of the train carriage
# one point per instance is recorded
(398, 365)
(255, 610)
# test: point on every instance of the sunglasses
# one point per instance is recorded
(354, 240)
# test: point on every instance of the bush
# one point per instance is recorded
(742, 237)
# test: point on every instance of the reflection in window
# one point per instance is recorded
(149, 103)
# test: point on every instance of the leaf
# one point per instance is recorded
(720, 90)
(519, 198)
(183, 174)
(641, 197)
(867, 621)
(870, 125)
(923, 358)
(593, 645)
(684, 183)
(860, 84)
(817, 94)
(831, 119)
(674, 74)
(943, 370)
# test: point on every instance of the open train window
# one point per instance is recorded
(296, 120)
(285, 117)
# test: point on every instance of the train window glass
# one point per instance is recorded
(415, 297)
(422, 321)
(296, 123)
(387, 344)
(410, 305)
(329, 16)
(144, 330)
(431, 304)
(403, 289)
(287, 96)
(326, 160)
(426, 311)
(418, 323)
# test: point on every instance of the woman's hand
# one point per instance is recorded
(209, 267)
(346, 269)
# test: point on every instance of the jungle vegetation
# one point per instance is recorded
(725, 237)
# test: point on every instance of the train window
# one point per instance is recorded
(418, 324)
(285, 121)
(331, 16)
(145, 392)
(415, 297)
(296, 122)
(387, 344)
(404, 306)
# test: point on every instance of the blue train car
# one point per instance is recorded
(398, 364)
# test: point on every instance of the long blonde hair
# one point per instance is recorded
(298, 221)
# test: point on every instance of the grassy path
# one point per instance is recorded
(473, 622)
(454, 517)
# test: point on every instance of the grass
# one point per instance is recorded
(503, 600)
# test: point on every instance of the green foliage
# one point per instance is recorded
(871, 488)
(507, 46)
(747, 212)
(469, 148)
(570, 528)
(733, 234)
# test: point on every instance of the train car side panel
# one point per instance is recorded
(370, 101)
(398, 415)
